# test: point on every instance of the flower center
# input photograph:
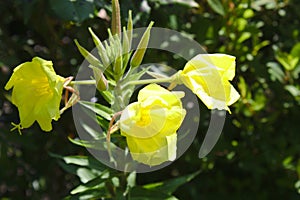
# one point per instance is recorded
(42, 87)
(144, 117)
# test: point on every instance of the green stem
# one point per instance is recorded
(84, 82)
(148, 81)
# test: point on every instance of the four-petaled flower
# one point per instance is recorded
(208, 76)
(150, 125)
(37, 92)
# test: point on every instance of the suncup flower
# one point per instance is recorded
(150, 125)
(37, 92)
(208, 76)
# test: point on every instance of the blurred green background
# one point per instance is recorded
(258, 154)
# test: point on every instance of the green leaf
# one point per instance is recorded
(139, 193)
(101, 50)
(96, 134)
(77, 160)
(99, 109)
(129, 28)
(259, 102)
(189, 3)
(83, 161)
(101, 82)
(89, 57)
(244, 36)
(131, 182)
(296, 72)
(217, 6)
(108, 96)
(95, 193)
(86, 174)
(288, 163)
(298, 168)
(259, 46)
(93, 144)
(296, 50)
(170, 186)
(293, 90)
(275, 71)
(139, 53)
(125, 48)
(288, 61)
(118, 58)
(76, 11)
(93, 184)
(156, 75)
(242, 86)
(125, 42)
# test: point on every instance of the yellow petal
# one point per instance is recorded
(153, 151)
(224, 64)
(233, 96)
(154, 90)
(44, 120)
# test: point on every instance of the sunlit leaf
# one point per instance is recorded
(190, 3)
(170, 186)
(99, 109)
(139, 193)
(275, 72)
(94, 184)
(293, 90)
(217, 6)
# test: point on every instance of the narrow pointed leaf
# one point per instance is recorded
(139, 193)
(217, 6)
(141, 49)
(118, 62)
(88, 56)
(108, 96)
(109, 51)
(125, 49)
(89, 144)
(125, 44)
(101, 49)
(94, 184)
(112, 46)
(129, 29)
(170, 186)
(99, 109)
(101, 82)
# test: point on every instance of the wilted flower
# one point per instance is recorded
(208, 76)
(150, 125)
(37, 92)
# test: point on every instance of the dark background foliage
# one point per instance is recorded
(258, 154)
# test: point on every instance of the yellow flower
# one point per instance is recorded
(208, 76)
(150, 125)
(37, 92)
